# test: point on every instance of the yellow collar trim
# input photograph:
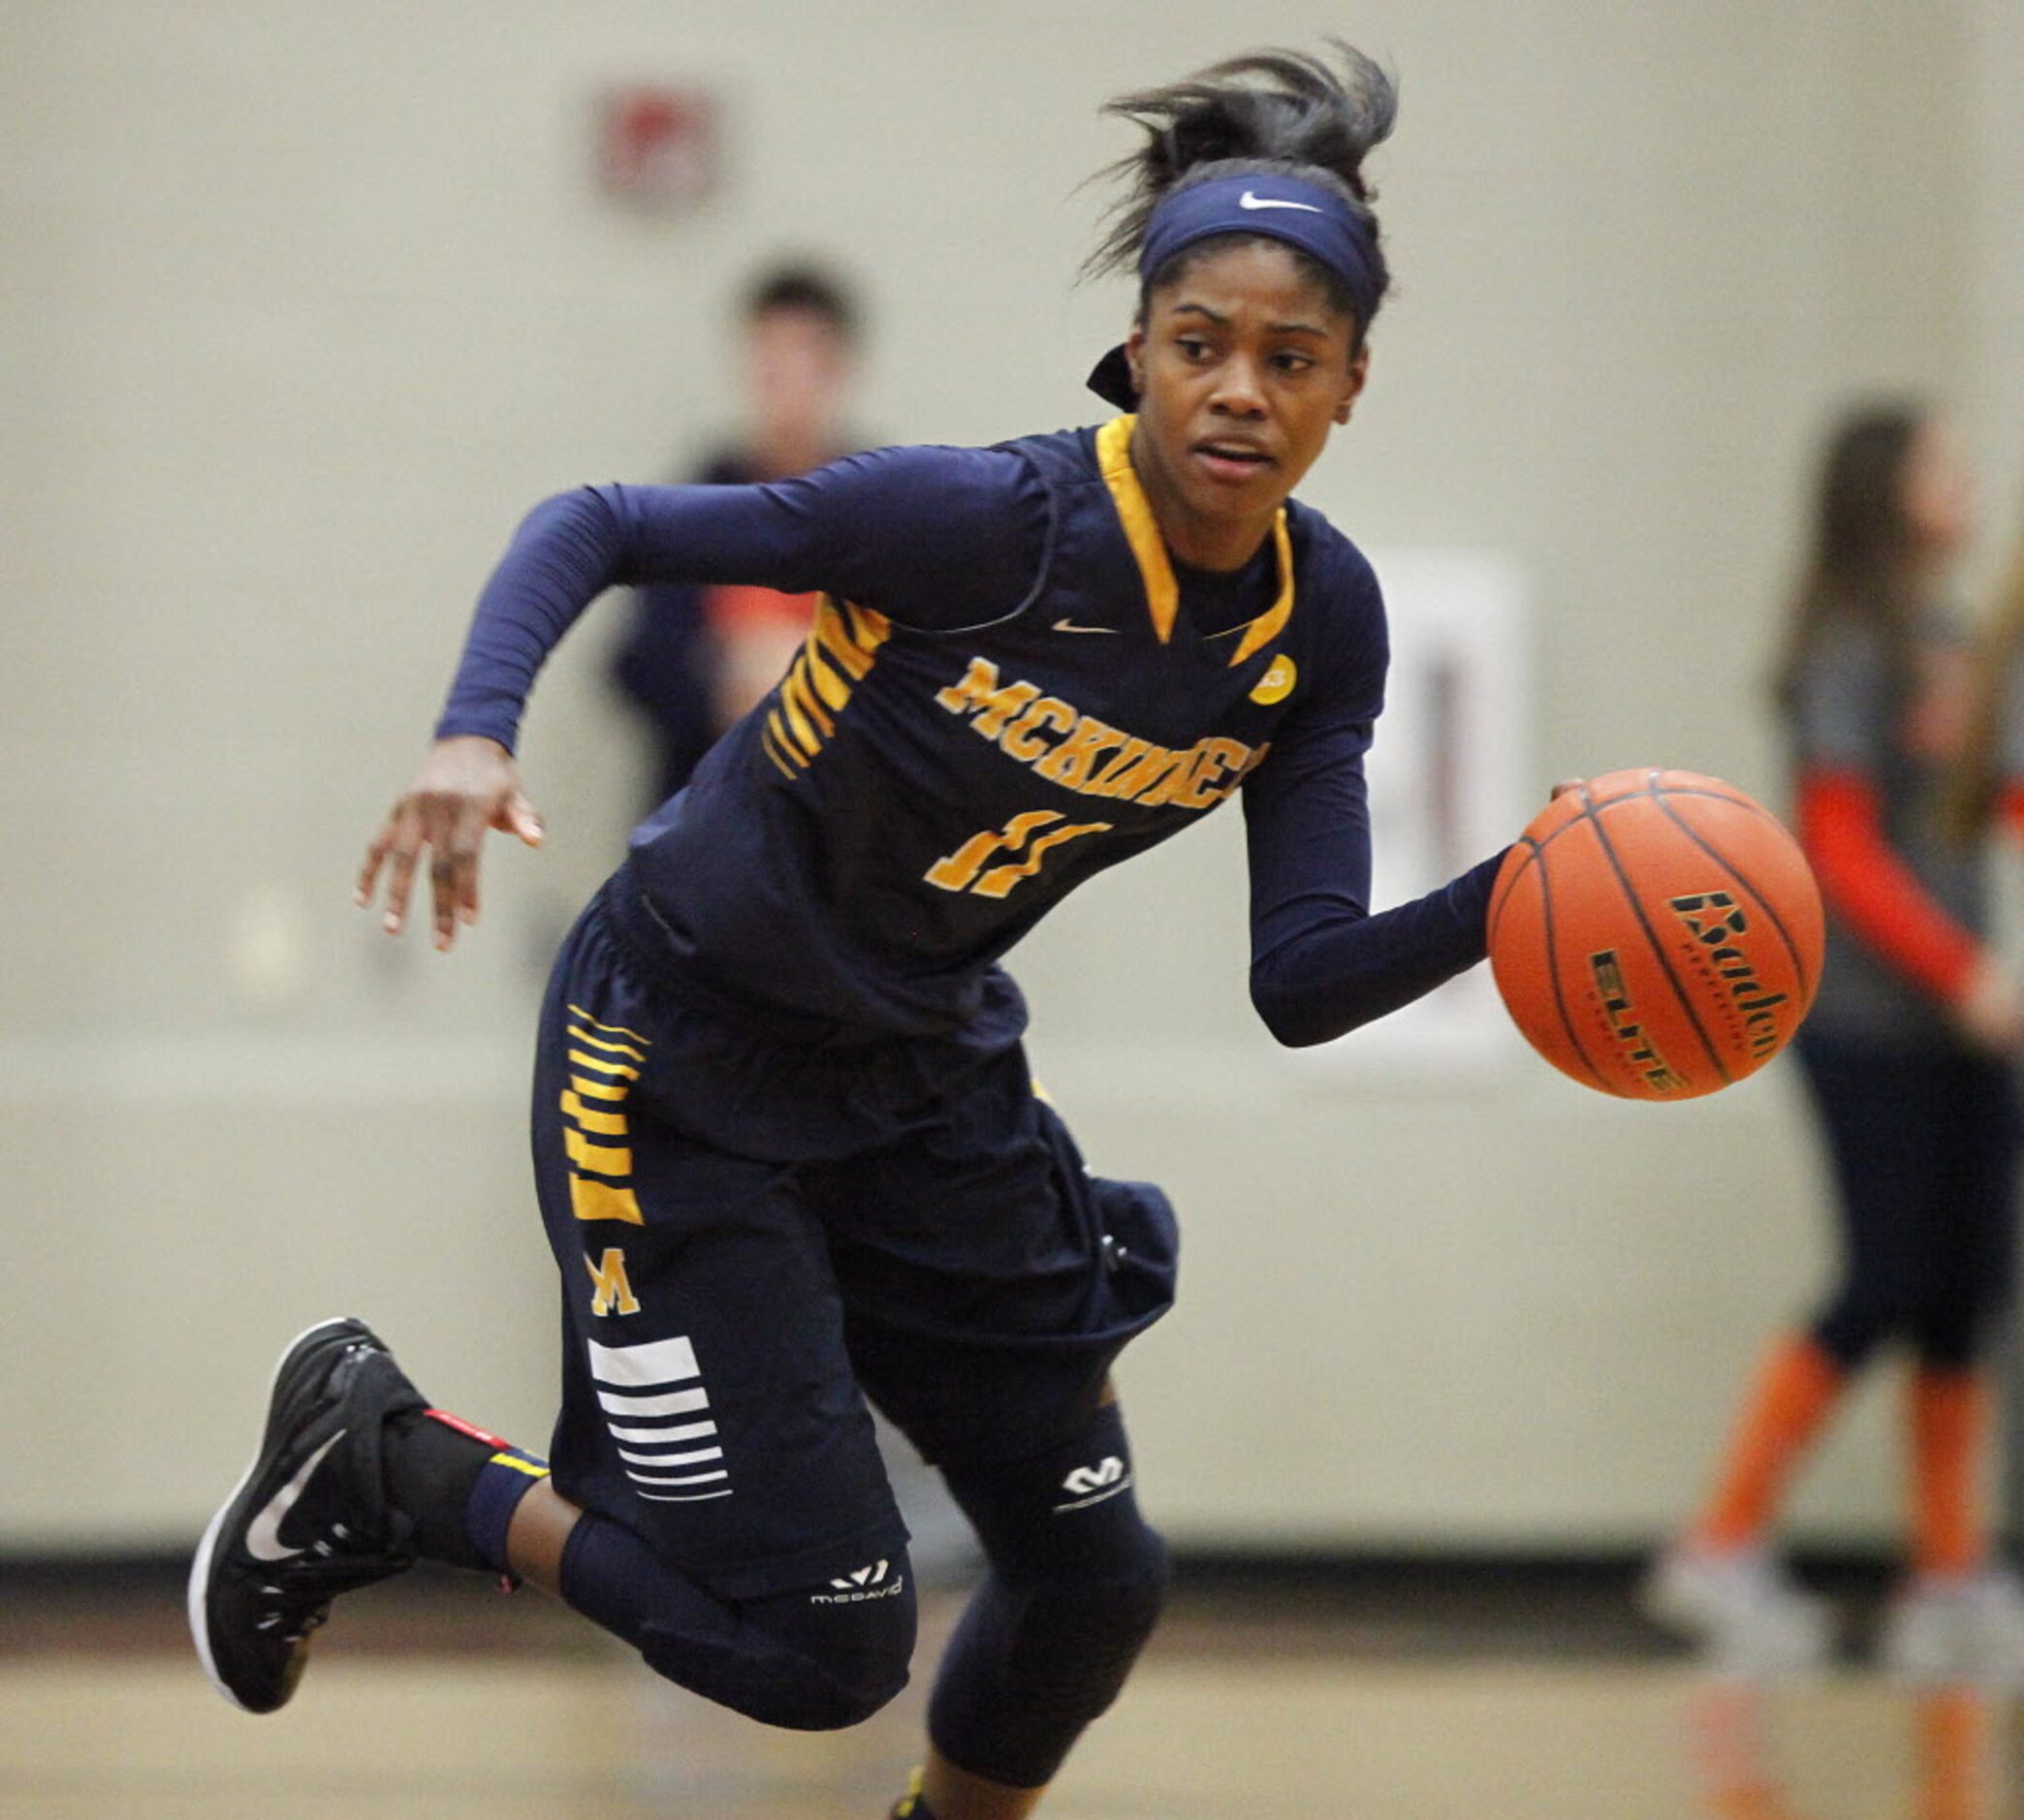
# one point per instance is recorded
(1149, 548)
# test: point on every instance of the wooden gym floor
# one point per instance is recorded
(442, 1703)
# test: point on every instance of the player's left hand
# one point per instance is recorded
(466, 786)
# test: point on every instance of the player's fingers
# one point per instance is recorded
(375, 857)
(442, 893)
(1565, 785)
(520, 817)
(466, 847)
(406, 847)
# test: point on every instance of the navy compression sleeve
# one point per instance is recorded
(1321, 963)
(933, 538)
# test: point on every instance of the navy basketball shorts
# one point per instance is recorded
(731, 1298)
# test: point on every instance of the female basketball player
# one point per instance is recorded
(786, 1146)
(1908, 1053)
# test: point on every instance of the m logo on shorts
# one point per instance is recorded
(611, 1288)
(652, 1396)
(1092, 1485)
(865, 1583)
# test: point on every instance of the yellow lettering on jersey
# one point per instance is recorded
(1071, 762)
(979, 694)
(1151, 780)
(1018, 738)
(610, 1287)
(1019, 716)
(1000, 880)
(1212, 758)
(1105, 782)
(961, 867)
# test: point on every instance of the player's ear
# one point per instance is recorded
(1135, 353)
(1353, 384)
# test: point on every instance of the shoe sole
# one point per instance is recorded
(197, 1595)
(1689, 1621)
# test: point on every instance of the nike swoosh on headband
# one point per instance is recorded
(1068, 625)
(264, 1532)
(1251, 200)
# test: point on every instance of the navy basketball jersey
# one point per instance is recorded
(908, 802)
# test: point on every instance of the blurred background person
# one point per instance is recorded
(694, 659)
(1908, 1056)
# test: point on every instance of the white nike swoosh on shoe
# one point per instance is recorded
(1249, 200)
(1068, 625)
(264, 1532)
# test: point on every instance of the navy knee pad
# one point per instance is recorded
(816, 1659)
(1076, 1584)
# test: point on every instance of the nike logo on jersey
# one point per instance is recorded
(1251, 200)
(1069, 625)
(264, 1533)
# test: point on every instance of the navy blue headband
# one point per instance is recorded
(1316, 220)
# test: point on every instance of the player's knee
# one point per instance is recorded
(1101, 1607)
(816, 1659)
(1044, 1651)
(1071, 1554)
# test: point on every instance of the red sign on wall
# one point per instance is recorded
(657, 149)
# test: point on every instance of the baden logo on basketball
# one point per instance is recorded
(1717, 933)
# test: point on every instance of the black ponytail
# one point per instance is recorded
(1269, 113)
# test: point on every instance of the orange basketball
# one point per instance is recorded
(1656, 934)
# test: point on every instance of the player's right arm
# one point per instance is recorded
(931, 537)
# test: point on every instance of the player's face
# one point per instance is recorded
(1939, 491)
(798, 370)
(1242, 366)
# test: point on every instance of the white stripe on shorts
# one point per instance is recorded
(673, 1460)
(686, 1431)
(672, 1404)
(674, 1478)
(658, 1362)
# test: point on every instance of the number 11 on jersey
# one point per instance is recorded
(965, 869)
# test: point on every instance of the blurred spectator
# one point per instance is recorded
(694, 659)
(1907, 1055)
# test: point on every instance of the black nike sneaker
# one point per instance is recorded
(308, 1520)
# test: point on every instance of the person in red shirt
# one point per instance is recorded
(1907, 1055)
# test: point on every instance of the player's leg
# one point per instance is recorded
(1958, 1613)
(357, 1479)
(1075, 1586)
(1720, 1583)
(718, 1501)
(990, 1281)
